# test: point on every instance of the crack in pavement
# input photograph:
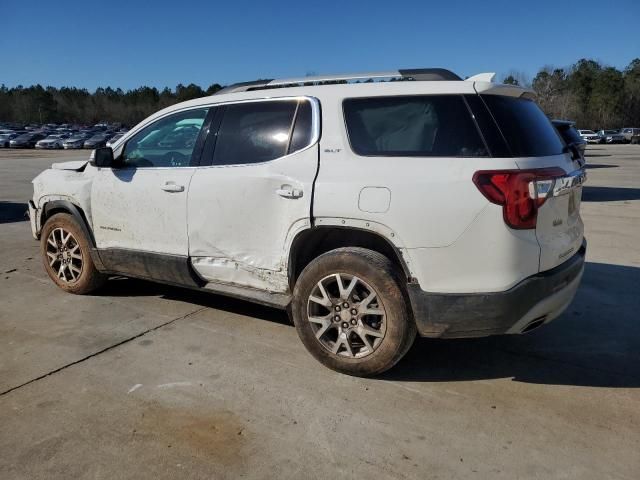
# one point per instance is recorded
(99, 352)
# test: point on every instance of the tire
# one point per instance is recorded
(343, 345)
(62, 240)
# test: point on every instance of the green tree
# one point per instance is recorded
(510, 80)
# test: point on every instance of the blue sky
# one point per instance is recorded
(162, 43)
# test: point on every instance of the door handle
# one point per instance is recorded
(287, 191)
(172, 187)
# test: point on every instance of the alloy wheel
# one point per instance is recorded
(347, 315)
(64, 255)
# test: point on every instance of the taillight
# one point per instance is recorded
(520, 192)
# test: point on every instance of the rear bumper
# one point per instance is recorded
(533, 302)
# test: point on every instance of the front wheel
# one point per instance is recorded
(66, 256)
(350, 312)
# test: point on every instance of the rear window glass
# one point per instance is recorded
(418, 125)
(526, 128)
(254, 132)
(302, 131)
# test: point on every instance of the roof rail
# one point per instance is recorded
(418, 74)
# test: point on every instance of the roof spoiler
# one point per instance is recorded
(482, 77)
(484, 83)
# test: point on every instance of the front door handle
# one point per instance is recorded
(287, 191)
(172, 187)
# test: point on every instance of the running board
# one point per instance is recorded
(270, 299)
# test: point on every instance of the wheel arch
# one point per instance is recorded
(65, 206)
(310, 243)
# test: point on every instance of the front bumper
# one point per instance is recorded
(34, 220)
(534, 301)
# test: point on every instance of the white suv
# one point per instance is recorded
(369, 210)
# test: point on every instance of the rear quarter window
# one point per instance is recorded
(527, 130)
(417, 125)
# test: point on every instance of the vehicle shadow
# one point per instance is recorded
(12, 212)
(595, 343)
(599, 165)
(609, 194)
(129, 287)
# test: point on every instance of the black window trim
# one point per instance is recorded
(206, 159)
(405, 154)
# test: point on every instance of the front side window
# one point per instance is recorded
(417, 125)
(256, 132)
(168, 142)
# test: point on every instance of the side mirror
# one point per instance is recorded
(102, 157)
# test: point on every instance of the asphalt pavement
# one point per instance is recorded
(147, 381)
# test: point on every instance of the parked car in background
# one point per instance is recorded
(75, 141)
(590, 136)
(97, 141)
(628, 133)
(570, 135)
(52, 141)
(27, 140)
(610, 136)
(5, 138)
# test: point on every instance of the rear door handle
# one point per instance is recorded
(287, 191)
(172, 187)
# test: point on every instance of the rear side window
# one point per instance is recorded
(525, 127)
(569, 134)
(417, 125)
(259, 132)
(303, 130)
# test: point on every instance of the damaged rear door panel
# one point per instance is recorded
(253, 192)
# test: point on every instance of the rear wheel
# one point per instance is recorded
(66, 256)
(350, 312)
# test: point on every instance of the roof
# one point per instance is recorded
(419, 74)
(327, 87)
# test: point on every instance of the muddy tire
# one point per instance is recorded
(66, 256)
(351, 313)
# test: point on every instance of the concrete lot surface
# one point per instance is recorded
(146, 381)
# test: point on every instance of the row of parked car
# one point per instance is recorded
(53, 136)
(624, 135)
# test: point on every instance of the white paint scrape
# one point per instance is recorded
(134, 388)
(175, 384)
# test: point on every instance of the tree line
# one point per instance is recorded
(594, 95)
(38, 104)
